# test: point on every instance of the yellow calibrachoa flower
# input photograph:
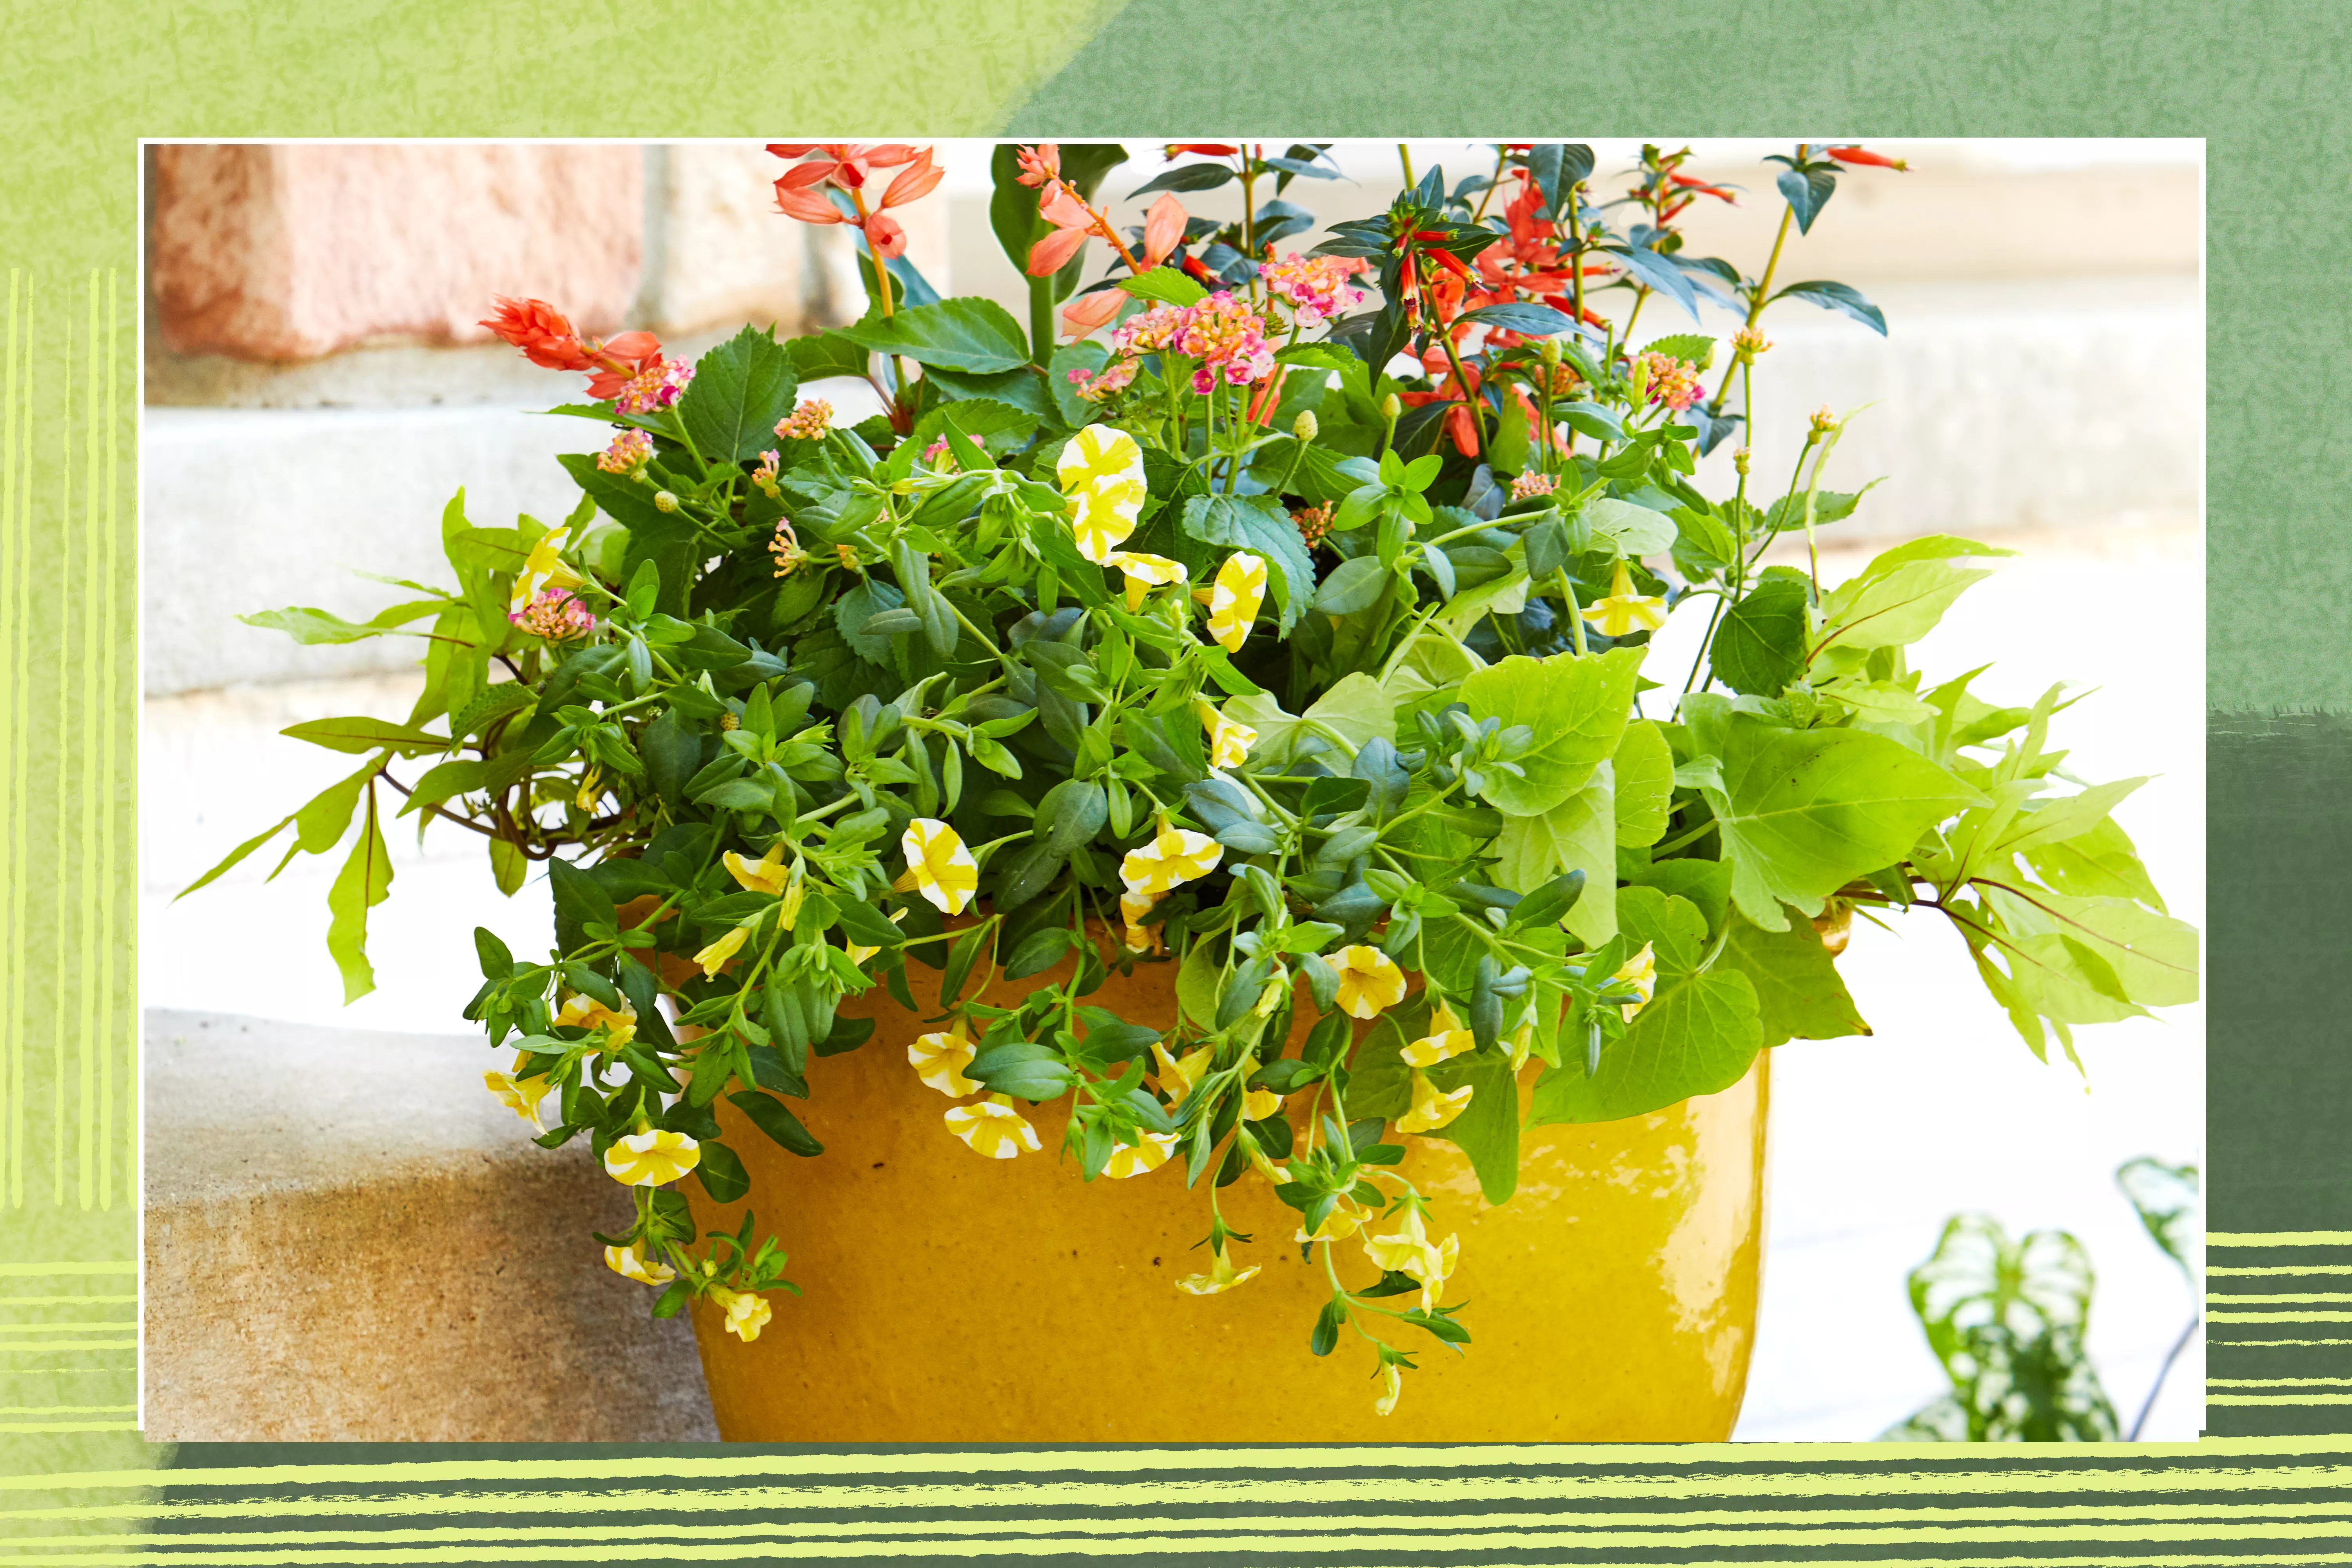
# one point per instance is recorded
(1432, 1110)
(1145, 573)
(1221, 1277)
(1177, 1076)
(1135, 1159)
(1337, 1225)
(521, 1095)
(651, 1158)
(1369, 981)
(543, 568)
(629, 1263)
(1522, 1041)
(1408, 1251)
(1234, 600)
(619, 1025)
(1623, 609)
(746, 1313)
(938, 865)
(993, 1128)
(591, 789)
(1229, 739)
(1260, 1103)
(1446, 1037)
(1132, 907)
(1102, 518)
(939, 1060)
(1097, 453)
(1391, 1386)
(1642, 969)
(765, 875)
(715, 956)
(1177, 856)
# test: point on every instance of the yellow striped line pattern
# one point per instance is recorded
(2224, 1501)
(2270, 1372)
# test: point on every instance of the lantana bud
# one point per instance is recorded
(1390, 408)
(1739, 461)
(665, 502)
(1304, 427)
(1549, 349)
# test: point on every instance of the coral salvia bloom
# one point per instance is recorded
(1641, 972)
(1370, 981)
(540, 331)
(939, 1060)
(1175, 856)
(743, 1313)
(1234, 598)
(1136, 1159)
(629, 1263)
(765, 875)
(1229, 739)
(617, 1024)
(1624, 610)
(1446, 1038)
(1221, 1277)
(939, 867)
(651, 1158)
(993, 1128)
(1038, 163)
(1144, 572)
(714, 957)
(1432, 1108)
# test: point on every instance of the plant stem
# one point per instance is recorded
(1756, 304)
(1470, 398)
(2161, 1374)
(1575, 611)
(1404, 156)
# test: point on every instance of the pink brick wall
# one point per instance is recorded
(281, 253)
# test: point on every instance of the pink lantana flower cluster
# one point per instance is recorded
(1228, 338)
(555, 615)
(630, 450)
(1317, 287)
(1672, 382)
(658, 386)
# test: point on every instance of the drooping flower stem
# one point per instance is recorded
(1756, 304)
(1469, 398)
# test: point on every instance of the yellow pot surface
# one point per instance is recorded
(948, 1298)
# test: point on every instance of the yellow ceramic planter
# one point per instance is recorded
(946, 1298)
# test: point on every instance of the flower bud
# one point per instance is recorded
(1549, 349)
(1823, 422)
(665, 502)
(1390, 408)
(1640, 380)
(1739, 461)
(1305, 428)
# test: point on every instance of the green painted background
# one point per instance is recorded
(2263, 82)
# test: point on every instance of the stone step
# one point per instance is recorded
(349, 1239)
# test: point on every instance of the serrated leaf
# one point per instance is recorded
(740, 389)
(968, 334)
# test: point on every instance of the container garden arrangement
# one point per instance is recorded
(1149, 890)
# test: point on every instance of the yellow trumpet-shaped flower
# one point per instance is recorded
(1642, 969)
(1407, 1250)
(1176, 857)
(1135, 1159)
(1370, 981)
(542, 569)
(1446, 1038)
(520, 1095)
(1096, 453)
(765, 875)
(1178, 1075)
(1260, 1103)
(715, 956)
(939, 1060)
(1391, 1386)
(1221, 1277)
(1145, 573)
(591, 789)
(859, 952)
(745, 1314)
(993, 1128)
(1234, 597)
(1132, 907)
(1341, 1223)
(1430, 1110)
(618, 1025)
(651, 1158)
(1229, 739)
(938, 865)
(1522, 1041)
(1624, 610)
(629, 1263)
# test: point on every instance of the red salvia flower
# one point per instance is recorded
(1864, 156)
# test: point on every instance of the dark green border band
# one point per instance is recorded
(2261, 80)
